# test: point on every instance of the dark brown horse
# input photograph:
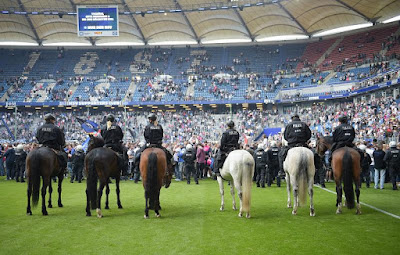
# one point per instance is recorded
(346, 167)
(100, 164)
(42, 162)
(153, 168)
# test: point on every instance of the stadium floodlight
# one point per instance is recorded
(219, 41)
(281, 38)
(5, 43)
(396, 18)
(342, 29)
(120, 44)
(67, 44)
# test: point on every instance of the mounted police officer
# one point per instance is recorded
(392, 159)
(153, 134)
(273, 164)
(297, 134)
(112, 135)
(20, 157)
(77, 162)
(51, 136)
(189, 156)
(229, 142)
(343, 135)
(260, 157)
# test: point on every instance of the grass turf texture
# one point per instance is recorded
(191, 223)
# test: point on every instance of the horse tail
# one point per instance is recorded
(247, 182)
(302, 178)
(152, 180)
(347, 167)
(34, 176)
(91, 183)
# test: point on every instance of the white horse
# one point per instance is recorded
(239, 169)
(300, 170)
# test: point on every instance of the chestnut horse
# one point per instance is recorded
(42, 162)
(153, 169)
(346, 167)
(100, 164)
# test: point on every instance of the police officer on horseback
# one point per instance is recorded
(229, 142)
(113, 135)
(51, 136)
(297, 133)
(392, 159)
(343, 135)
(153, 134)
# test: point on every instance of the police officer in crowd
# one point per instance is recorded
(77, 164)
(343, 135)
(113, 135)
(260, 158)
(229, 142)
(297, 133)
(273, 164)
(189, 156)
(365, 163)
(53, 137)
(392, 159)
(20, 157)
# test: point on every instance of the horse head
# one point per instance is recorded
(95, 142)
(324, 143)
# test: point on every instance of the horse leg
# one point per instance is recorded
(339, 195)
(233, 196)
(358, 186)
(107, 193)
(311, 193)
(118, 200)
(289, 201)
(50, 191)
(146, 210)
(238, 186)
(295, 198)
(88, 213)
(157, 205)
(221, 191)
(46, 181)
(29, 193)
(99, 194)
(60, 179)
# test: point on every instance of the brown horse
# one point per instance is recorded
(153, 168)
(346, 166)
(42, 162)
(100, 164)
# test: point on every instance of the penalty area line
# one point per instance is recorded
(364, 204)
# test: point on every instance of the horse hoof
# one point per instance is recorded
(248, 216)
(107, 207)
(338, 212)
(358, 212)
(88, 214)
(158, 215)
(45, 213)
(312, 214)
(294, 212)
(289, 206)
(50, 206)
(98, 211)
(234, 208)
(240, 215)
(120, 207)
(221, 209)
(60, 205)
(146, 217)
(29, 213)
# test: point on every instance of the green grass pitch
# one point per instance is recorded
(191, 223)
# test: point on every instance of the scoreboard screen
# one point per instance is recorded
(99, 20)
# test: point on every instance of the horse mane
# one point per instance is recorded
(328, 139)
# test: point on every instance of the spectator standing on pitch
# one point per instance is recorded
(10, 162)
(392, 159)
(380, 166)
(77, 162)
(20, 157)
(201, 161)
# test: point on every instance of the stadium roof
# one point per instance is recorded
(172, 22)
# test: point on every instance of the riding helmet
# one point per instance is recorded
(231, 124)
(49, 117)
(343, 119)
(296, 116)
(392, 144)
(152, 117)
(110, 117)
(362, 147)
(79, 148)
(188, 146)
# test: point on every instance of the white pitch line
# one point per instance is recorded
(367, 205)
